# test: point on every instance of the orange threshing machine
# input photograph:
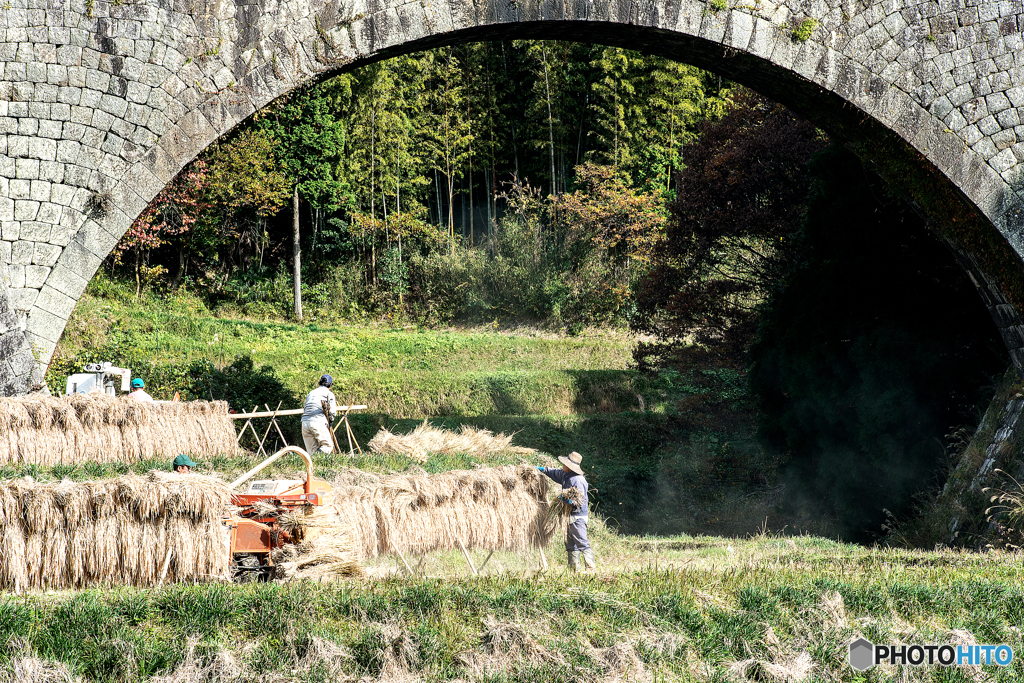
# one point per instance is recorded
(254, 527)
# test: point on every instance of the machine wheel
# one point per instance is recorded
(247, 568)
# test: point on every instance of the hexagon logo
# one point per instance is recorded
(862, 654)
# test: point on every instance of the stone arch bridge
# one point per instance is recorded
(102, 103)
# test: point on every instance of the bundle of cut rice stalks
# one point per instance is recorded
(325, 548)
(50, 430)
(131, 530)
(564, 505)
(492, 508)
(426, 439)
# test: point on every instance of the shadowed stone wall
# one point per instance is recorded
(101, 104)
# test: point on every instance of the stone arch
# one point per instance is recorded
(102, 104)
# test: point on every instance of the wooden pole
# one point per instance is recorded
(259, 442)
(486, 560)
(344, 420)
(239, 438)
(351, 435)
(272, 423)
(466, 554)
(543, 560)
(402, 558)
(283, 413)
(284, 441)
(327, 416)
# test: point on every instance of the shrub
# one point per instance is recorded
(804, 29)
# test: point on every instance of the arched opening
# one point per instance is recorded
(443, 207)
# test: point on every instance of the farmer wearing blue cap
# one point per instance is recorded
(316, 427)
(183, 464)
(138, 391)
(576, 542)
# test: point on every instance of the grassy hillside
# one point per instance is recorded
(405, 372)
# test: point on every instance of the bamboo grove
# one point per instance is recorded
(518, 152)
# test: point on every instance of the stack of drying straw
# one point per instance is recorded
(426, 439)
(495, 508)
(49, 430)
(132, 530)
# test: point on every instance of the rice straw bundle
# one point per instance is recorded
(496, 508)
(118, 531)
(564, 504)
(322, 557)
(325, 548)
(48, 430)
(426, 439)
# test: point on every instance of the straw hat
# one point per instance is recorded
(572, 462)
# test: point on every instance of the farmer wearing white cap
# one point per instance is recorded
(316, 428)
(138, 391)
(576, 543)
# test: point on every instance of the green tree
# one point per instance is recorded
(312, 141)
(173, 214)
(617, 106)
(447, 132)
(246, 184)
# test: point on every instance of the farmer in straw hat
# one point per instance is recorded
(316, 428)
(182, 464)
(576, 543)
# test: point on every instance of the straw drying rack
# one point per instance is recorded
(256, 414)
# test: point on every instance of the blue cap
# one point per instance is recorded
(138, 383)
(326, 380)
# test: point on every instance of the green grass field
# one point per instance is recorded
(405, 372)
(677, 608)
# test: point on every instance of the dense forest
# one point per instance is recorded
(483, 181)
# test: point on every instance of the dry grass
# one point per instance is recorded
(325, 549)
(222, 667)
(506, 644)
(621, 664)
(52, 430)
(426, 439)
(131, 530)
(494, 508)
(564, 505)
(26, 668)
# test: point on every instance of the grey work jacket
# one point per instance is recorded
(312, 409)
(569, 480)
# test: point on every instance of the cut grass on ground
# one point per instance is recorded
(674, 609)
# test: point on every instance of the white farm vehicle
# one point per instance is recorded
(99, 377)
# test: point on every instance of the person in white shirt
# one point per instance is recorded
(138, 392)
(316, 427)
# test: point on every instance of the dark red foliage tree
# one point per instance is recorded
(741, 199)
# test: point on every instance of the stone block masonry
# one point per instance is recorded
(103, 103)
